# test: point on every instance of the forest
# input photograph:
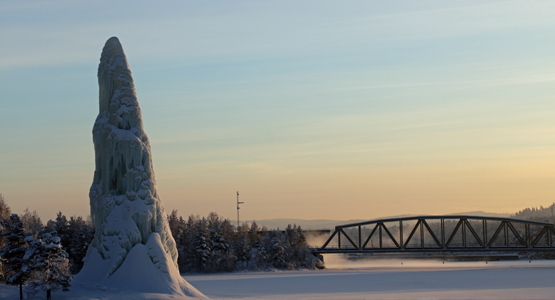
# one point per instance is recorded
(32, 251)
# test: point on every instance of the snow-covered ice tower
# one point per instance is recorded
(133, 247)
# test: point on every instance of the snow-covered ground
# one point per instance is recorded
(389, 279)
(383, 279)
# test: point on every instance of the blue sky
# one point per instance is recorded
(311, 109)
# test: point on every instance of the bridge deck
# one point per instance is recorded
(428, 250)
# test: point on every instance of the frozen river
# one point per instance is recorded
(375, 279)
(389, 279)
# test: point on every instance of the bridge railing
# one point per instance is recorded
(441, 233)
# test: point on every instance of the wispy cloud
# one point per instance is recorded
(54, 34)
(545, 78)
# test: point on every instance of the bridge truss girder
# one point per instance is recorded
(442, 240)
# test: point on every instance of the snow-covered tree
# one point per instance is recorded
(61, 225)
(213, 244)
(243, 247)
(202, 249)
(13, 254)
(48, 263)
(79, 235)
(262, 256)
(227, 231)
(202, 246)
(183, 243)
(186, 246)
(75, 235)
(5, 213)
(297, 247)
(278, 253)
(223, 257)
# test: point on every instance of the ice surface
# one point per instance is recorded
(133, 247)
(388, 279)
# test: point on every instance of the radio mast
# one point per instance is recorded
(238, 208)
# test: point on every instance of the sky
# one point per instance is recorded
(310, 109)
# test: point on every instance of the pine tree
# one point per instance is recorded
(222, 254)
(187, 255)
(261, 254)
(202, 250)
(78, 236)
(226, 231)
(202, 246)
(242, 246)
(62, 225)
(5, 213)
(49, 263)
(254, 236)
(278, 255)
(213, 221)
(13, 254)
(183, 244)
(173, 222)
(304, 257)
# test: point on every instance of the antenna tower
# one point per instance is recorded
(238, 208)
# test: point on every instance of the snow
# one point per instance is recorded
(133, 248)
(413, 279)
(376, 279)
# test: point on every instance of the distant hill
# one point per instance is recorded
(483, 214)
(330, 224)
(538, 214)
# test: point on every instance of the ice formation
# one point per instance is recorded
(133, 247)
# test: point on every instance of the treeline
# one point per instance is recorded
(205, 244)
(212, 244)
(41, 257)
(75, 234)
(545, 214)
(35, 260)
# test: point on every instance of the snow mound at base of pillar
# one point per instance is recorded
(146, 269)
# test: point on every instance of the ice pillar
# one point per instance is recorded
(132, 232)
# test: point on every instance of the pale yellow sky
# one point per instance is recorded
(313, 110)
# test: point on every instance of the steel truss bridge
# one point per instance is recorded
(449, 233)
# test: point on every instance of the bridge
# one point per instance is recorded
(448, 233)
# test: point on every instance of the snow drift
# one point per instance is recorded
(133, 248)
